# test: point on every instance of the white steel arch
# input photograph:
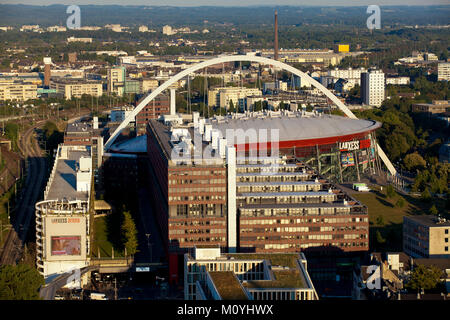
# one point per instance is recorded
(249, 58)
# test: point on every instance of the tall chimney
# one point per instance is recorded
(276, 37)
(47, 65)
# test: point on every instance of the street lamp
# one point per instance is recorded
(148, 245)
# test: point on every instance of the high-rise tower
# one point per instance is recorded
(276, 37)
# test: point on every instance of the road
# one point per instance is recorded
(36, 172)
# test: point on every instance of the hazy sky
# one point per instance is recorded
(232, 2)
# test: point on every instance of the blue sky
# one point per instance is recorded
(232, 2)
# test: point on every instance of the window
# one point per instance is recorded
(446, 248)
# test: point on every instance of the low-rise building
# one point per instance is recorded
(73, 39)
(210, 275)
(436, 107)
(398, 80)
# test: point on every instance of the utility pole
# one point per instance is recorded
(115, 288)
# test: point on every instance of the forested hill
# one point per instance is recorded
(16, 15)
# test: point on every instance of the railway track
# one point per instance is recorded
(36, 172)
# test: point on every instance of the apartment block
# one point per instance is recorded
(426, 236)
(373, 87)
(17, 90)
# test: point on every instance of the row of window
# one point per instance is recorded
(305, 220)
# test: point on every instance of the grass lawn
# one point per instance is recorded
(386, 217)
(101, 240)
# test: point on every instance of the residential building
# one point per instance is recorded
(167, 30)
(56, 29)
(143, 29)
(444, 71)
(426, 236)
(221, 97)
(350, 74)
(210, 275)
(120, 114)
(116, 80)
(372, 87)
(399, 81)
(73, 39)
(149, 85)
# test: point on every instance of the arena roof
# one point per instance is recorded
(299, 127)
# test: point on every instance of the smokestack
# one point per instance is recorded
(276, 37)
(47, 65)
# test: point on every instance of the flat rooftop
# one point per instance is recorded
(292, 278)
(79, 127)
(228, 285)
(430, 221)
(164, 137)
(275, 259)
(64, 185)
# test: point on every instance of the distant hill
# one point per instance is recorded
(16, 15)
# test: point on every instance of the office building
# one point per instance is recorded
(62, 219)
(426, 236)
(16, 90)
(372, 87)
(205, 194)
(116, 80)
(153, 110)
(210, 275)
(78, 134)
(77, 88)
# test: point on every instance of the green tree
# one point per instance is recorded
(400, 203)
(433, 210)
(129, 233)
(414, 161)
(380, 220)
(20, 282)
(424, 278)
(379, 237)
(390, 191)
(426, 195)
(231, 107)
